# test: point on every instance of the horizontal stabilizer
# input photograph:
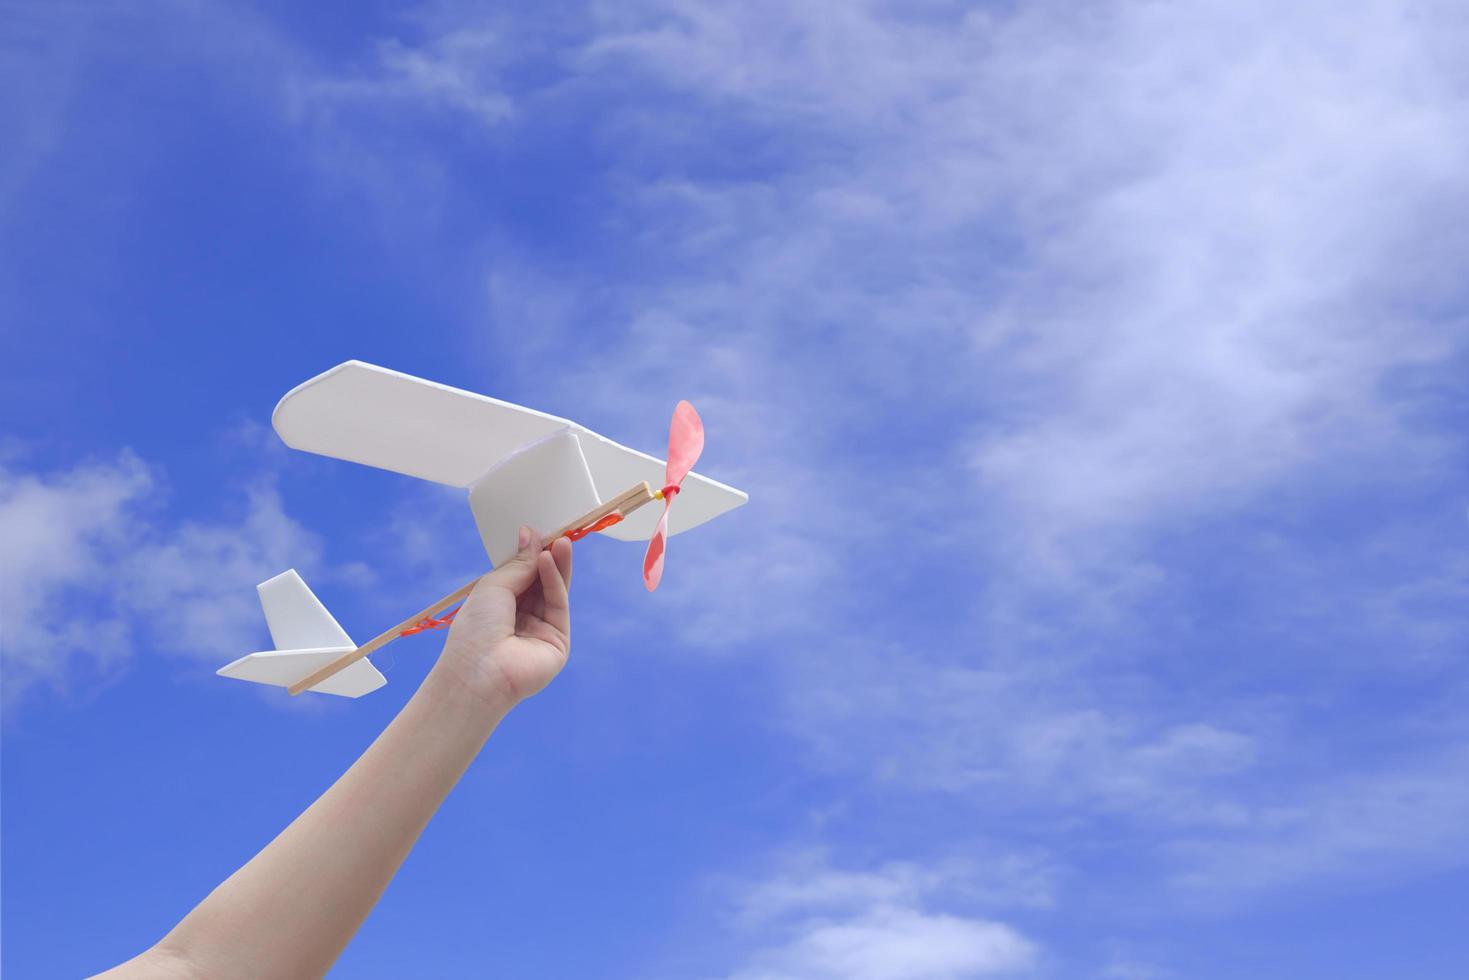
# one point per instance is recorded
(282, 668)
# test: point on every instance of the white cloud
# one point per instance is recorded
(58, 533)
(872, 925)
(1385, 821)
(897, 944)
(1133, 969)
(95, 537)
(1018, 734)
(456, 71)
(1169, 237)
(809, 884)
(195, 584)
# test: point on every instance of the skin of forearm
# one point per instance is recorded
(297, 903)
(291, 910)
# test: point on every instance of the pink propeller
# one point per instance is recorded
(685, 443)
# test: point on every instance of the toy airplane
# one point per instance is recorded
(521, 467)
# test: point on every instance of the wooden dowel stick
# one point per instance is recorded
(382, 639)
(624, 503)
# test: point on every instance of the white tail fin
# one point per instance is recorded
(306, 637)
(296, 618)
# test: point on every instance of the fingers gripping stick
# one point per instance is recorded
(620, 506)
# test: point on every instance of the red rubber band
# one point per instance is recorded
(429, 623)
(605, 522)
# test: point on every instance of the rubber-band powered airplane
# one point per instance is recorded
(521, 468)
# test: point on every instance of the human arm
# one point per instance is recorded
(290, 911)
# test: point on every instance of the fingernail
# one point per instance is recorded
(524, 537)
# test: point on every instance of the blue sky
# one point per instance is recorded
(1095, 372)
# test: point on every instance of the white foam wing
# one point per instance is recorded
(370, 415)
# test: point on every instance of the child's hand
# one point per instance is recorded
(514, 631)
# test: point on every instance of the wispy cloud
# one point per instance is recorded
(61, 532)
(457, 72)
(878, 924)
(1389, 822)
(98, 532)
(1116, 248)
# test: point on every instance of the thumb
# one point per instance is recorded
(518, 572)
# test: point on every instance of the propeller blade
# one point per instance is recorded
(657, 545)
(685, 443)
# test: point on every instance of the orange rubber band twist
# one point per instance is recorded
(429, 623)
(605, 522)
